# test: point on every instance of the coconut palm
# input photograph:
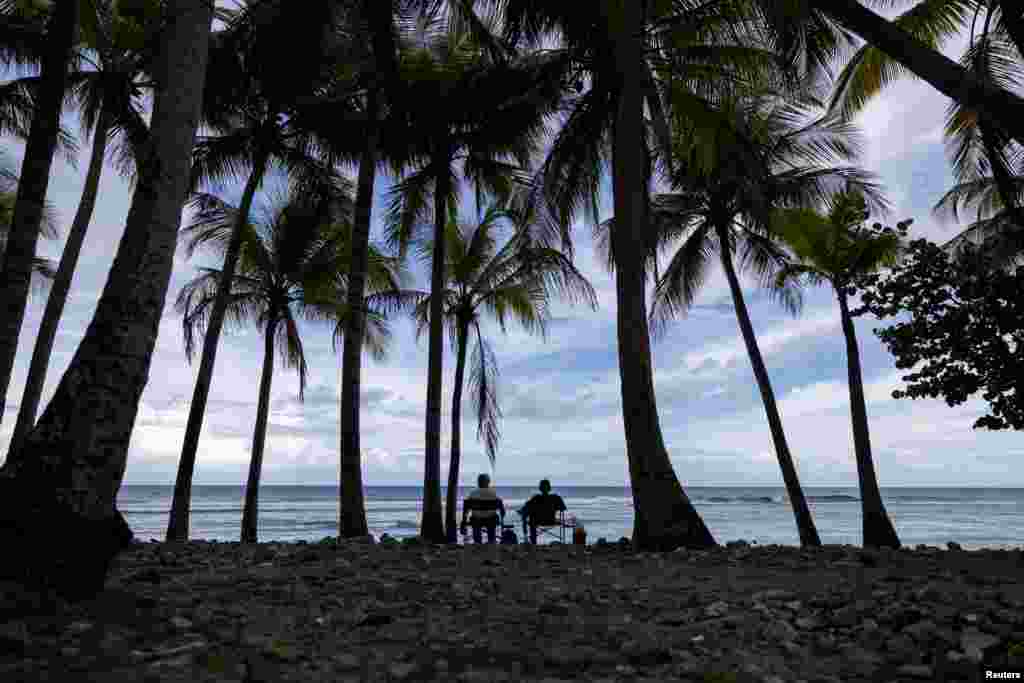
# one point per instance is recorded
(515, 280)
(981, 153)
(68, 475)
(835, 249)
(109, 97)
(298, 246)
(253, 108)
(727, 210)
(488, 117)
(42, 268)
(17, 264)
(629, 59)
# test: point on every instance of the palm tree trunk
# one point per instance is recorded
(181, 503)
(352, 508)
(64, 483)
(878, 528)
(250, 512)
(18, 256)
(451, 529)
(945, 75)
(804, 521)
(60, 288)
(1013, 20)
(664, 517)
(432, 524)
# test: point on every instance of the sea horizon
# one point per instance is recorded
(973, 516)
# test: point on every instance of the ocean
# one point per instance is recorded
(973, 517)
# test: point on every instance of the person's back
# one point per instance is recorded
(483, 508)
(542, 509)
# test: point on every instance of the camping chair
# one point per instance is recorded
(555, 527)
(496, 505)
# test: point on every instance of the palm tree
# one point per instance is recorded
(486, 115)
(109, 106)
(727, 209)
(904, 45)
(66, 478)
(981, 153)
(16, 267)
(253, 106)
(836, 249)
(515, 280)
(299, 247)
(381, 73)
(626, 61)
(42, 268)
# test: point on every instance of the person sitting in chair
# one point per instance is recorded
(483, 508)
(541, 510)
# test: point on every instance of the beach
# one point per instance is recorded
(360, 610)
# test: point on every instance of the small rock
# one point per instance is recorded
(974, 643)
(915, 671)
(953, 546)
(181, 623)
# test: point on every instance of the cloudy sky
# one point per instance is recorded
(560, 395)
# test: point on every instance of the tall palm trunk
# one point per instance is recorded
(16, 272)
(181, 503)
(250, 513)
(804, 521)
(64, 483)
(945, 75)
(462, 339)
(60, 288)
(878, 528)
(664, 517)
(432, 525)
(352, 508)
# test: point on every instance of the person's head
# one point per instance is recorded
(545, 486)
(483, 481)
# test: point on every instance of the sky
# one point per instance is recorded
(559, 396)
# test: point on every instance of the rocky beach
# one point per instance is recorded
(388, 611)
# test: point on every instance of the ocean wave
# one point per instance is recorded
(763, 500)
(835, 498)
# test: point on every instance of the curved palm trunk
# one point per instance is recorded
(60, 288)
(450, 527)
(945, 75)
(352, 508)
(432, 526)
(20, 252)
(65, 481)
(250, 512)
(664, 517)
(878, 528)
(804, 521)
(1013, 19)
(181, 503)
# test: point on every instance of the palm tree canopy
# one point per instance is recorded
(837, 247)
(292, 265)
(511, 281)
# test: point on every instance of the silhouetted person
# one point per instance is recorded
(484, 509)
(541, 510)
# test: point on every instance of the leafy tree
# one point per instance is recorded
(836, 249)
(65, 481)
(957, 326)
(42, 268)
(297, 247)
(515, 280)
(108, 95)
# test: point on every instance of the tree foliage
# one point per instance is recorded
(958, 325)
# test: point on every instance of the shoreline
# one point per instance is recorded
(361, 611)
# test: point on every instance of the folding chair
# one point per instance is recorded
(555, 528)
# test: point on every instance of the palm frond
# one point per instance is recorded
(483, 394)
